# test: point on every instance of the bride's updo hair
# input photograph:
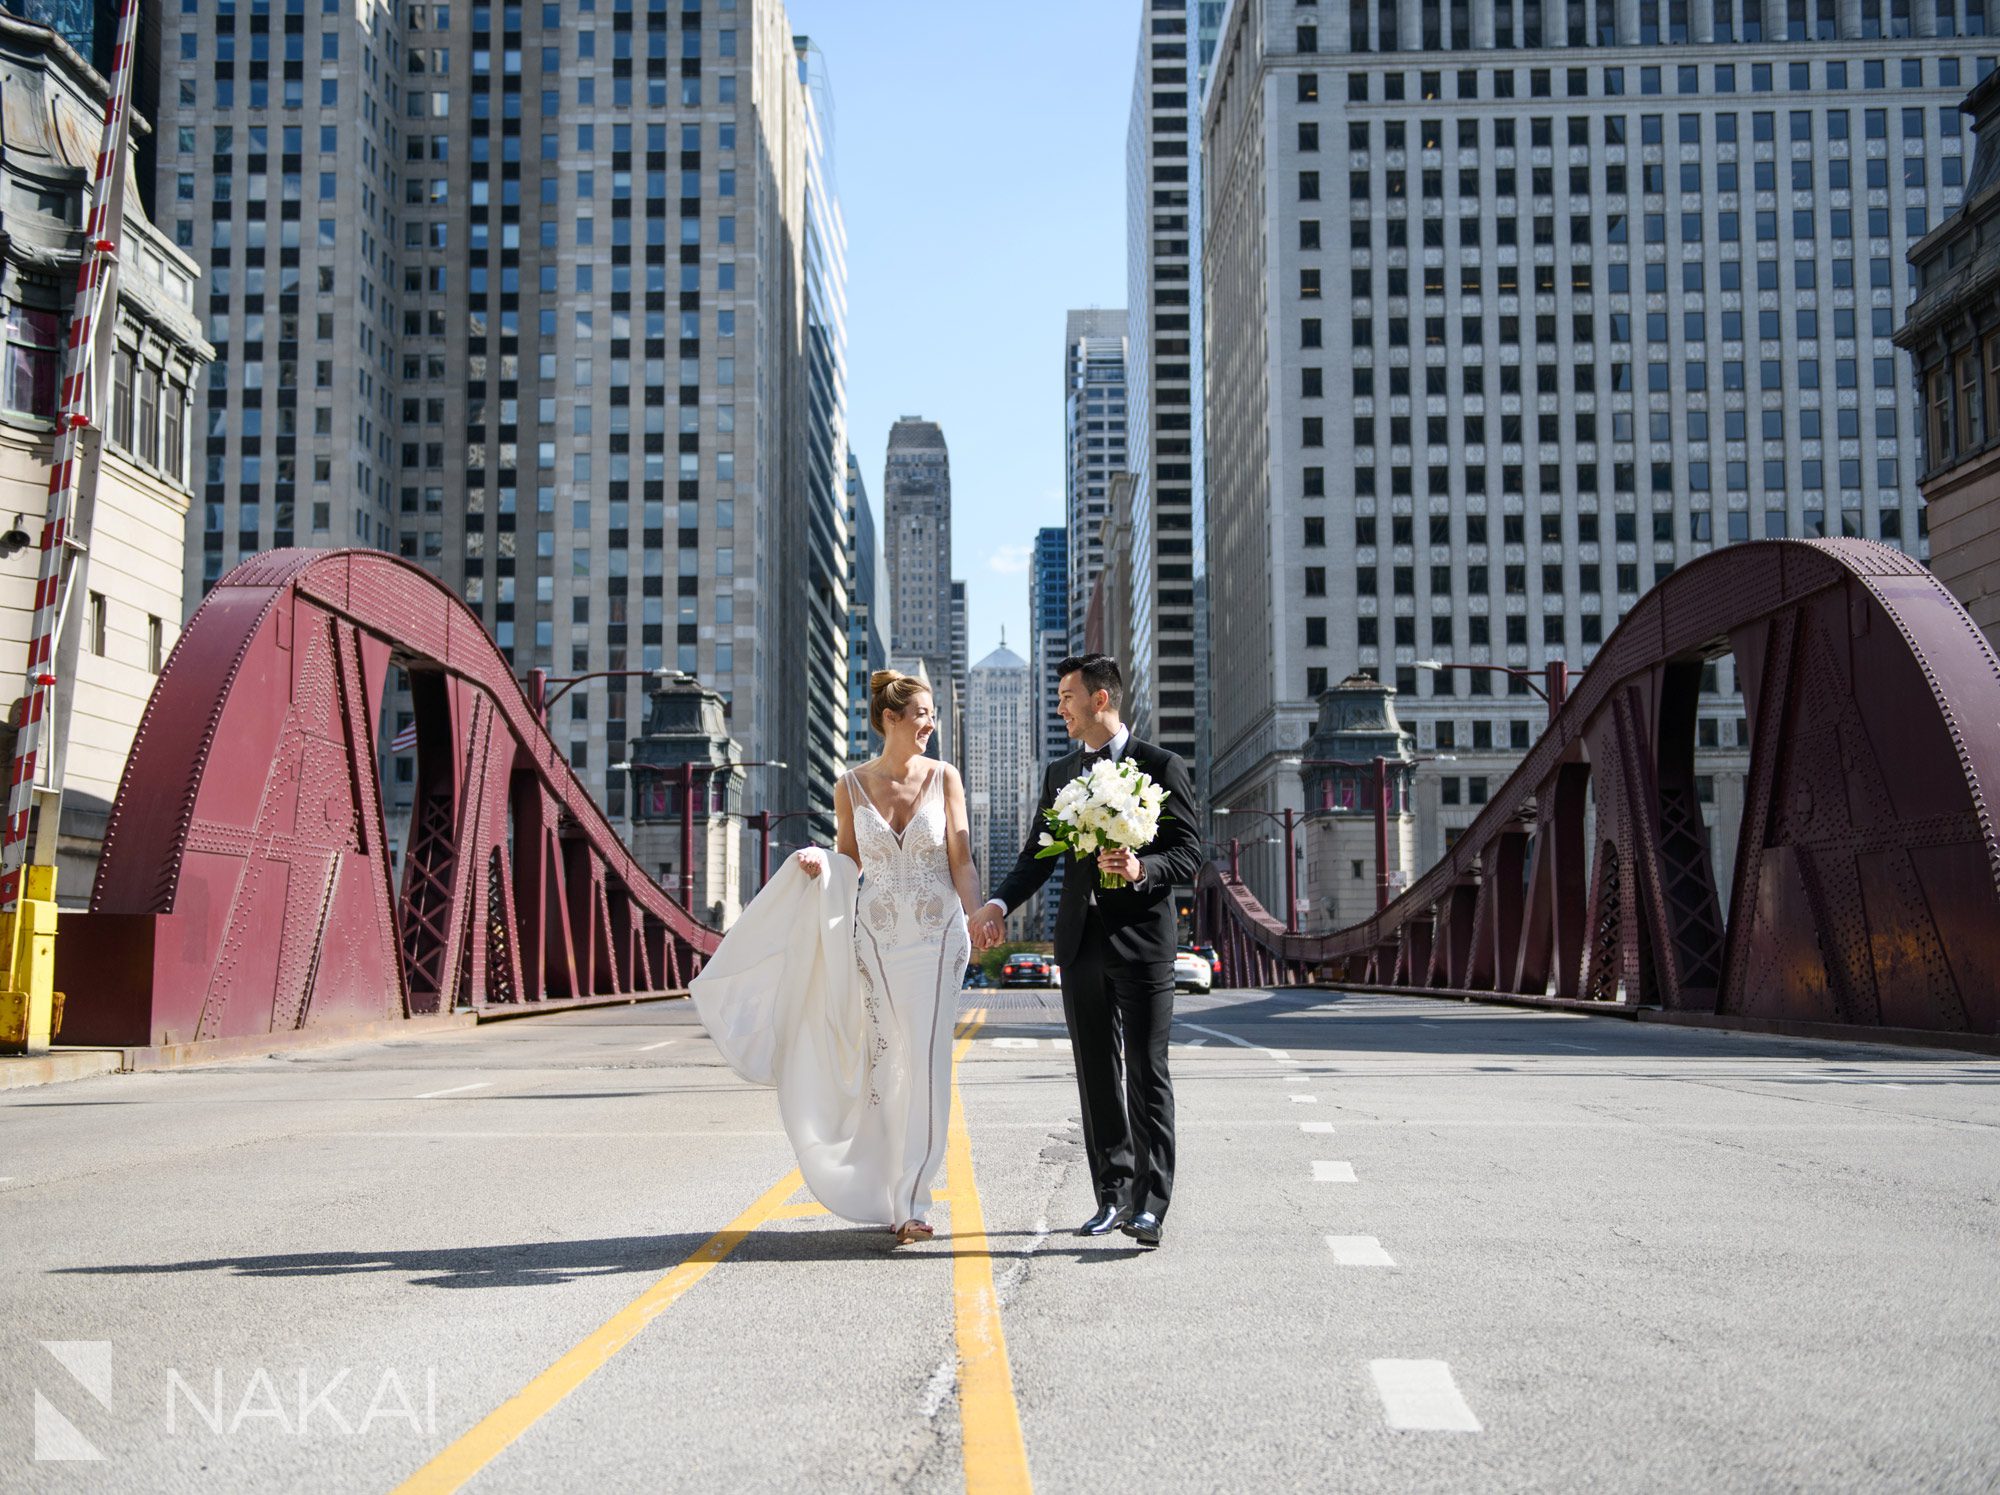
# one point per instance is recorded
(891, 690)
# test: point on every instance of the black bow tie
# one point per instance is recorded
(1100, 755)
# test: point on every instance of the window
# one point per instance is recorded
(34, 360)
(99, 624)
(146, 421)
(121, 400)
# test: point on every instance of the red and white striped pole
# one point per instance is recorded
(64, 561)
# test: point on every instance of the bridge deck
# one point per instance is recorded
(1632, 1258)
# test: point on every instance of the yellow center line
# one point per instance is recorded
(485, 1442)
(995, 1458)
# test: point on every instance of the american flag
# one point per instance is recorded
(404, 740)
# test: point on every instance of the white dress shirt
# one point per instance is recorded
(1114, 750)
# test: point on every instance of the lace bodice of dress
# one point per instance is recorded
(906, 890)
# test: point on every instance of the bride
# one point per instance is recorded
(838, 984)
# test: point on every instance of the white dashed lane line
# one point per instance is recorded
(455, 1090)
(1241, 1043)
(1358, 1251)
(1419, 1396)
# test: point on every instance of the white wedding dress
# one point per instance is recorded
(840, 991)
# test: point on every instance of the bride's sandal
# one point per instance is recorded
(913, 1230)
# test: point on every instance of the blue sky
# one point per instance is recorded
(980, 151)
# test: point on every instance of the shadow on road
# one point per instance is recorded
(527, 1265)
(551, 1263)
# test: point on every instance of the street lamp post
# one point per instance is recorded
(764, 820)
(539, 681)
(1235, 851)
(1554, 687)
(1286, 819)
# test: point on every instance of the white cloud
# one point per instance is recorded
(1011, 560)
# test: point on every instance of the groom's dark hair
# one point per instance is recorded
(1099, 672)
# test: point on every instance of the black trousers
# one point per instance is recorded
(1120, 1014)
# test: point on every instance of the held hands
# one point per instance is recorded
(813, 860)
(986, 927)
(1122, 863)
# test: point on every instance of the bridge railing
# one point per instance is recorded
(1866, 892)
(246, 885)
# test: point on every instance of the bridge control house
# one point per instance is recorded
(1953, 334)
(52, 103)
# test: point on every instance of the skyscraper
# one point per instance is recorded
(1511, 311)
(867, 640)
(1094, 436)
(916, 515)
(959, 681)
(818, 671)
(1049, 644)
(477, 278)
(1000, 757)
(1205, 16)
(1159, 151)
(1048, 616)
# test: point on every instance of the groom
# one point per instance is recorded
(1116, 950)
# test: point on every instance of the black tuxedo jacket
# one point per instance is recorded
(1139, 919)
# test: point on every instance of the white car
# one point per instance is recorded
(1192, 972)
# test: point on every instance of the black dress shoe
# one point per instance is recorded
(1144, 1228)
(1103, 1222)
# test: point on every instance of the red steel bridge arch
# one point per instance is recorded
(245, 886)
(1866, 892)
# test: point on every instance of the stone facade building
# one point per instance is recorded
(130, 614)
(1952, 334)
(1512, 310)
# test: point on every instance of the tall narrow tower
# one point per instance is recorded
(1159, 216)
(916, 517)
(1094, 436)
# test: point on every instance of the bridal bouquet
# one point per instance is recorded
(1112, 805)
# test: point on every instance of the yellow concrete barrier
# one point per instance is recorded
(30, 1006)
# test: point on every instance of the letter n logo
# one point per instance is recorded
(88, 1362)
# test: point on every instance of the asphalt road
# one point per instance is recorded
(1415, 1246)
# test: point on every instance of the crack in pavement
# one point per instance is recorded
(929, 1437)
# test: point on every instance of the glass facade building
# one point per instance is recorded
(1159, 216)
(1094, 446)
(545, 297)
(867, 638)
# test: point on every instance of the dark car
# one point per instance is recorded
(1025, 969)
(1207, 953)
(975, 978)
